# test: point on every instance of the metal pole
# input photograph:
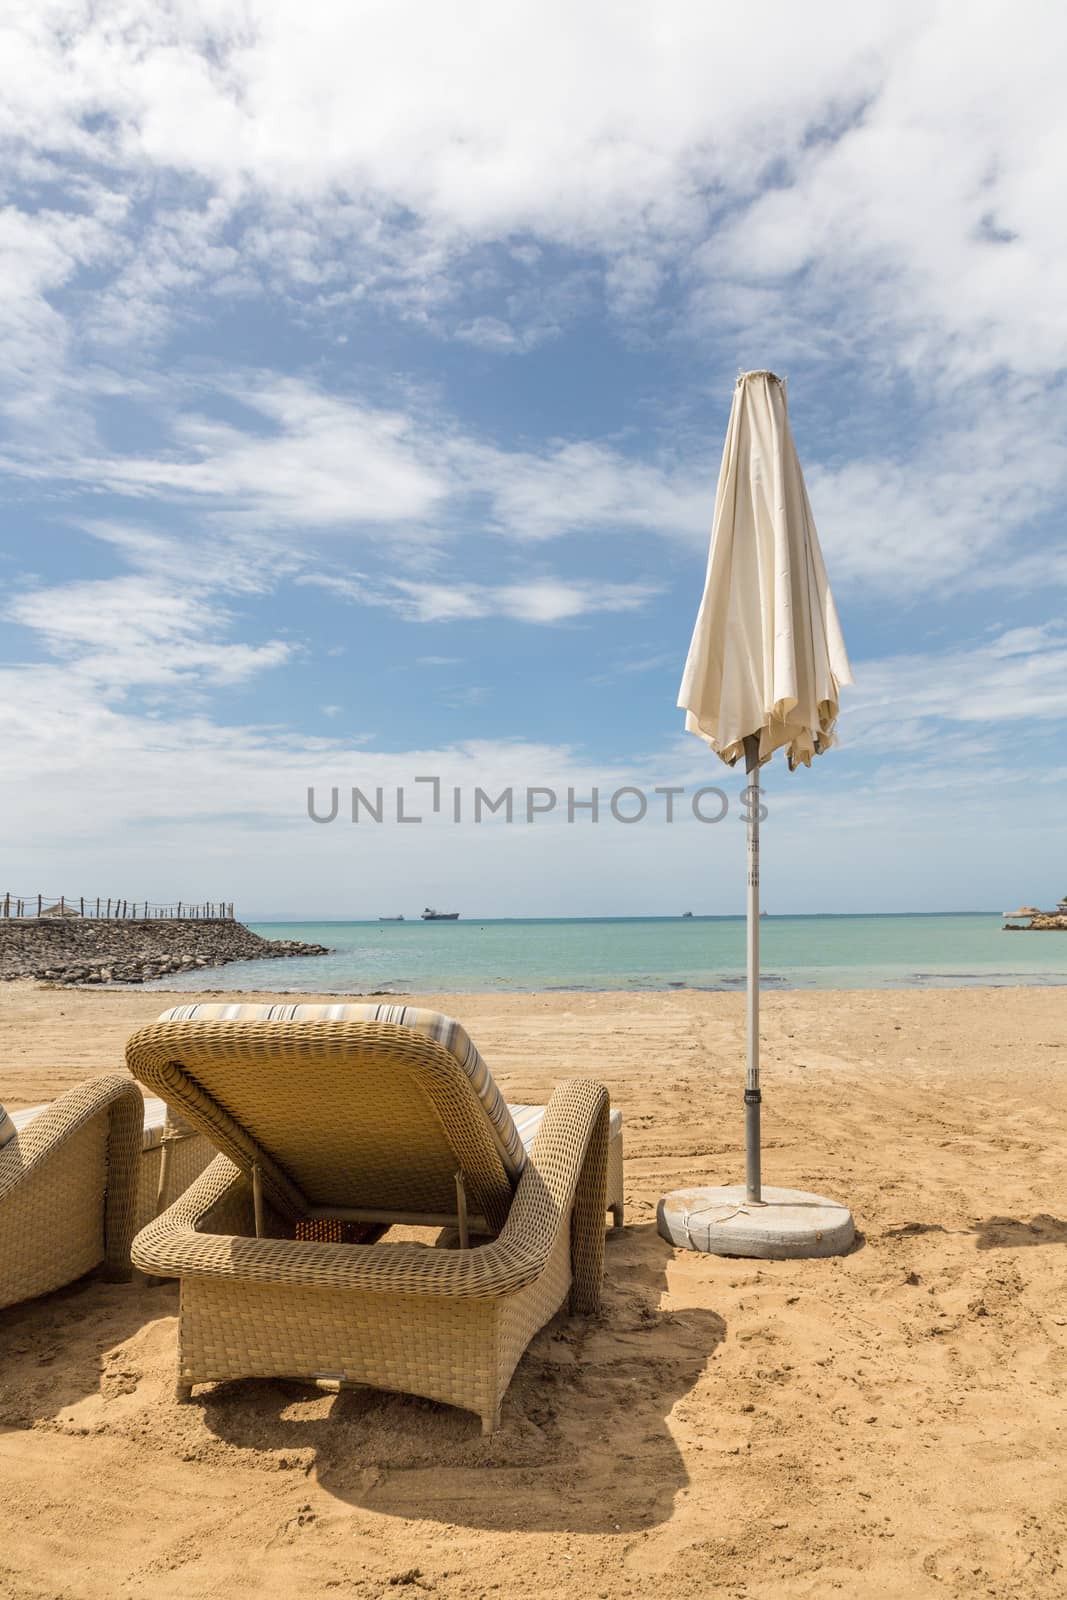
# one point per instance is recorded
(257, 1199)
(752, 1088)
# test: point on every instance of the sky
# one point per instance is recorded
(365, 370)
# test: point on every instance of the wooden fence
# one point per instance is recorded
(91, 908)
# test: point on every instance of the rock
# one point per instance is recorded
(76, 950)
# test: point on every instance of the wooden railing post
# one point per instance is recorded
(133, 910)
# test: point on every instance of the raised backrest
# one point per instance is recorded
(158, 1121)
(339, 1106)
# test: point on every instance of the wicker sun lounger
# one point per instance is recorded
(172, 1154)
(330, 1131)
(68, 1181)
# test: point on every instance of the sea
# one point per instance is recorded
(903, 951)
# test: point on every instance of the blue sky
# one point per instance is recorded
(365, 376)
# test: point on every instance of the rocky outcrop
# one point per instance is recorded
(1042, 921)
(87, 950)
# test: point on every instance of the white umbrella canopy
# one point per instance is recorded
(767, 656)
(764, 673)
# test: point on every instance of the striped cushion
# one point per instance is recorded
(7, 1128)
(155, 1119)
(445, 1030)
(527, 1120)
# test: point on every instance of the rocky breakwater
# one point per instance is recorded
(1049, 921)
(86, 950)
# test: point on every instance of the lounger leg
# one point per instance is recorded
(461, 1212)
(164, 1171)
(615, 1194)
(115, 1274)
(257, 1199)
(183, 1392)
(490, 1421)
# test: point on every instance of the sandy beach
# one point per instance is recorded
(893, 1423)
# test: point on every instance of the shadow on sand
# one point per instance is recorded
(585, 1443)
(999, 1233)
(64, 1346)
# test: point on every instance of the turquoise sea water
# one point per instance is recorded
(817, 952)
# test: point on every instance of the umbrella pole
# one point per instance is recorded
(752, 1088)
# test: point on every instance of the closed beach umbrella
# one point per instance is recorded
(764, 673)
(767, 659)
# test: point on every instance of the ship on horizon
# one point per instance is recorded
(430, 915)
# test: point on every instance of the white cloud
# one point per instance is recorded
(881, 184)
(951, 510)
(324, 460)
(582, 485)
(238, 563)
(168, 804)
(957, 511)
(543, 600)
(935, 213)
(125, 631)
(575, 120)
(320, 461)
(41, 252)
(994, 691)
(464, 699)
(915, 162)
(892, 177)
(536, 600)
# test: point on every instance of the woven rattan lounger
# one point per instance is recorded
(68, 1182)
(172, 1154)
(336, 1128)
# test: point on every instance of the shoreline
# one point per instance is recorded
(934, 984)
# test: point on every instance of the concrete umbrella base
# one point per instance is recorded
(787, 1225)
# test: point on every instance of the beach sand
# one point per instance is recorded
(893, 1423)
